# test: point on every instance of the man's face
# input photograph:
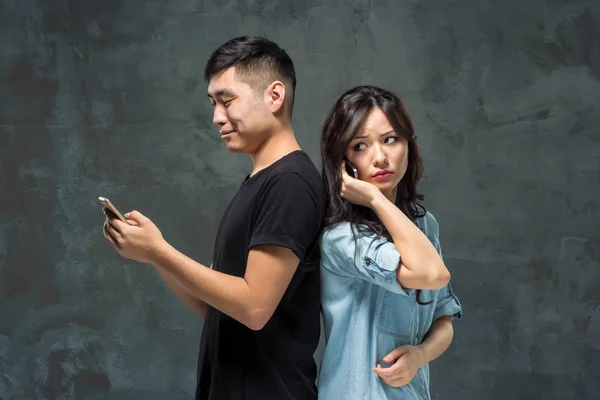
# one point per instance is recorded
(240, 112)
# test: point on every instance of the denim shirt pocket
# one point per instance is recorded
(398, 316)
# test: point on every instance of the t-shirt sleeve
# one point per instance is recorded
(287, 214)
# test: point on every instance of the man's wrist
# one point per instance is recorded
(158, 251)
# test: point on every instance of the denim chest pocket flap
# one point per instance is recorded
(398, 315)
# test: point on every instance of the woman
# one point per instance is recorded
(387, 304)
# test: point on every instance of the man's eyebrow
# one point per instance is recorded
(220, 93)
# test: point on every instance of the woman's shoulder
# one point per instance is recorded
(337, 228)
(335, 233)
(428, 218)
(343, 235)
(428, 223)
(343, 229)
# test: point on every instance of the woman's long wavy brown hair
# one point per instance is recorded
(341, 124)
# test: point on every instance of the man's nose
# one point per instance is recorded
(219, 116)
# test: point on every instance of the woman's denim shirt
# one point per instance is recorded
(367, 314)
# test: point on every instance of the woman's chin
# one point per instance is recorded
(384, 186)
(387, 188)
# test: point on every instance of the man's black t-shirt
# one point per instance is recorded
(281, 205)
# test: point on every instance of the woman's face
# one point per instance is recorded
(379, 154)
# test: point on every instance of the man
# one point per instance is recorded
(260, 299)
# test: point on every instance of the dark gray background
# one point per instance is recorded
(107, 98)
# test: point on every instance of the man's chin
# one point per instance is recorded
(235, 150)
(235, 147)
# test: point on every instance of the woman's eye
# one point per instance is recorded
(359, 146)
(391, 139)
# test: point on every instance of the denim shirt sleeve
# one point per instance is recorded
(369, 257)
(447, 303)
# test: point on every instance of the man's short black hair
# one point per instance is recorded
(257, 61)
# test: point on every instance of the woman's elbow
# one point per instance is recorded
(437, 277)
(442, 277)
(433, 278)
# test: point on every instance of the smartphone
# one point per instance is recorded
(351, 169)
(108, 205)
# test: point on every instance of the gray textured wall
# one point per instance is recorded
(106, 98)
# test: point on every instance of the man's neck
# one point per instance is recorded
(274, 148)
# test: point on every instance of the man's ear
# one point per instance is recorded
(275, 96)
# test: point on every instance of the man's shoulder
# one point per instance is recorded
(297, 162)
(296, 170)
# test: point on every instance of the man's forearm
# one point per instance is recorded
(438, 339)
(227, 293)
(184, 295)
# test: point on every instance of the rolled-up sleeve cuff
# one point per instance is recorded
(449, 306)
(383, 269)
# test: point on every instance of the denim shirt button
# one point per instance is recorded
(368, 261)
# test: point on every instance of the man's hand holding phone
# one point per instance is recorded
(133, 235)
